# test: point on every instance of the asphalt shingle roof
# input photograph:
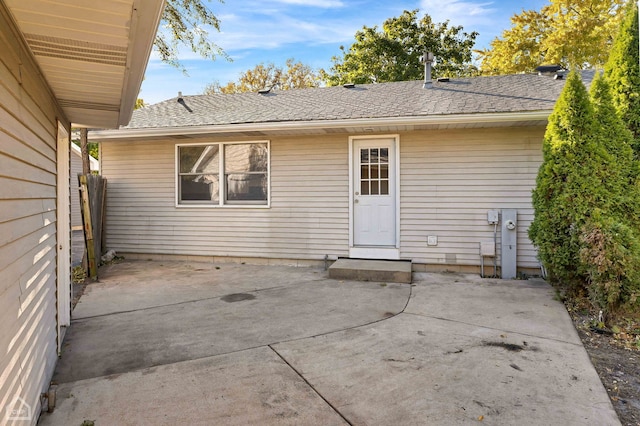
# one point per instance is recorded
(496, 94)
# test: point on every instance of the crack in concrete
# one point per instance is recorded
(317, 392)
(493, 328)
(171, 304)
(198, 300)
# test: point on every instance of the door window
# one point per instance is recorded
(374, 171)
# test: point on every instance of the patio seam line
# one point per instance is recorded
(136, 370)
(311, 386)
(243, 349)
(355, 326)
(259, 346)
(188, 301)
(497, 329)
(169, 304)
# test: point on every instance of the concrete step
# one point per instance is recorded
(394, 271)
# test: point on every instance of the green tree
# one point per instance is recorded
(185, 22)
(622, 70)
(610, 238)
(586, 226)
(392, 54)
(573, 34)
(610, 253)
(617, 140)
(295, 75)
(92, 148)
(569, 185)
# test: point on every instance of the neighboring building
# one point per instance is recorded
(76, 169)
(86, 69)
(390, 171)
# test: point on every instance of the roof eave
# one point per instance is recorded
(142, 35)
(111, 46)
(311, 125)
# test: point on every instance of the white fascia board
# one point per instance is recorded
(145, 19)
(104, 135)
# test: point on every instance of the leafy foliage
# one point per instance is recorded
(586, 200)
(92, 147)
(296, 75)
(610, 252)
(617, 140)
(185, 22)
(610, 239)
(392, 54)
(574, 34)
(623, 72)
(569, 183)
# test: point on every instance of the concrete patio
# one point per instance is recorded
(201, 343)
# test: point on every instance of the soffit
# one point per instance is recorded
(93, 54)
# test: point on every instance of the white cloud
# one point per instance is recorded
(466, 13)
(325, 4)
(280, 29)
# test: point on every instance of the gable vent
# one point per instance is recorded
(62, 48)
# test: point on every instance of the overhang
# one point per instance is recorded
(315, 127)
(92, 53)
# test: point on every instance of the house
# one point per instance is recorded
(378, 171)
(61, 62)
(76, 169)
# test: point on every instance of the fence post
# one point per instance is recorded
(88, 229)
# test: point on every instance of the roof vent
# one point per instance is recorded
(184, 104)
(427, 60)
(555, 71)
(349, 85)
(265, 91)
(443, 79)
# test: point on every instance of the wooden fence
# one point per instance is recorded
(93, 190)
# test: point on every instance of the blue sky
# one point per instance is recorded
(310, 31)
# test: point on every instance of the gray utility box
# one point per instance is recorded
(508, 254)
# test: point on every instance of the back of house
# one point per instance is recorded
(379, 171)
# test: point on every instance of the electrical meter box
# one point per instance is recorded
(492, 217)
(508, 254)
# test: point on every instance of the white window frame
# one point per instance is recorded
(222, 181)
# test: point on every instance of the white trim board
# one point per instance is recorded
(453, 119)
(383, 253)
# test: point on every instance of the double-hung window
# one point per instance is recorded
(221, 174)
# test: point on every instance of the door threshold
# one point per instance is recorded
(375, 252)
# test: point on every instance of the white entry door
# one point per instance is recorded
(374, 192)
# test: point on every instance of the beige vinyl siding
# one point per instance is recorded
(28, 130)
(308, 217)
(449, 179)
